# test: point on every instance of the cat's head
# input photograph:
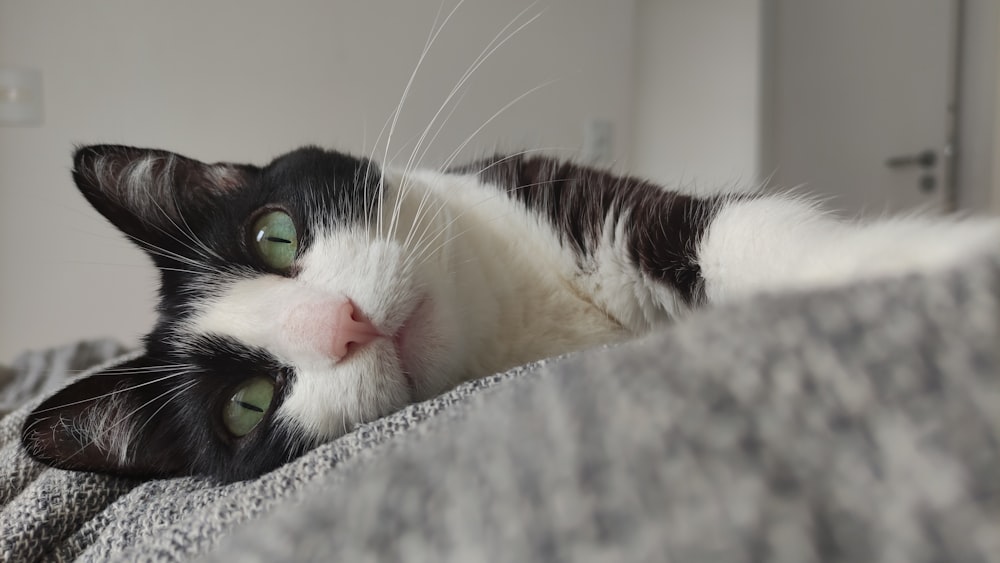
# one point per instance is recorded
(297, 300)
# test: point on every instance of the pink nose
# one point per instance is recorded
(350, 330)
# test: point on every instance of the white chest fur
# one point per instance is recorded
(511, 269)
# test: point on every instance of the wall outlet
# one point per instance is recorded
(598, 141)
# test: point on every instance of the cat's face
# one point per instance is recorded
(297, 300)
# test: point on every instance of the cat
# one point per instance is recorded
(321, 291)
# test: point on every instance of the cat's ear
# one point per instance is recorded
(150, 191)
(117, 420)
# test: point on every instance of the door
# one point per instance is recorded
(859, 101)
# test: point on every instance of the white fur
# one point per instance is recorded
(778, 243)
(136, 186)
(108, 425)
(635, 301)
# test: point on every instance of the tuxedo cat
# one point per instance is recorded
(320, 291)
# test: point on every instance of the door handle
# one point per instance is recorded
(924, 159)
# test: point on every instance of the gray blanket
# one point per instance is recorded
(860, 424)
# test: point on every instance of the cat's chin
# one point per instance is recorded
(403, 343)
(416, 343)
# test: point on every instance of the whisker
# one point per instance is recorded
(125, 418)
(145, 369)
(114, 392)
(421, 254)
(451, 158)
(210, 253)
(457, 151)
(419, 217)
(405, 94)
(476, 63)
(177, 391)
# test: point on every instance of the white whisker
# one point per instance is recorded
(114, 392)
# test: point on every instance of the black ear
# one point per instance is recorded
(146, 192)
(119, 420)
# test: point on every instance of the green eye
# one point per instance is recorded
(248, 405)
(275, 239)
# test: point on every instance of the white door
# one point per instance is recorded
(859, 101)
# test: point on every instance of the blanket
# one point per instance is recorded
(853, 424)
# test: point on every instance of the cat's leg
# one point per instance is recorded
(777, 243)
(643, 271)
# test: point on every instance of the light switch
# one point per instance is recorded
(20, 96)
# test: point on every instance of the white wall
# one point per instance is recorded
(995, 195)
(245, 80)
(697, 92)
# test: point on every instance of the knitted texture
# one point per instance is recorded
(857, 424)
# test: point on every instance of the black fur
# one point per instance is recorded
(664, 227)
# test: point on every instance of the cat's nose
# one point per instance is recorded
(350, 330)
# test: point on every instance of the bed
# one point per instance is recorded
(851, 424)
